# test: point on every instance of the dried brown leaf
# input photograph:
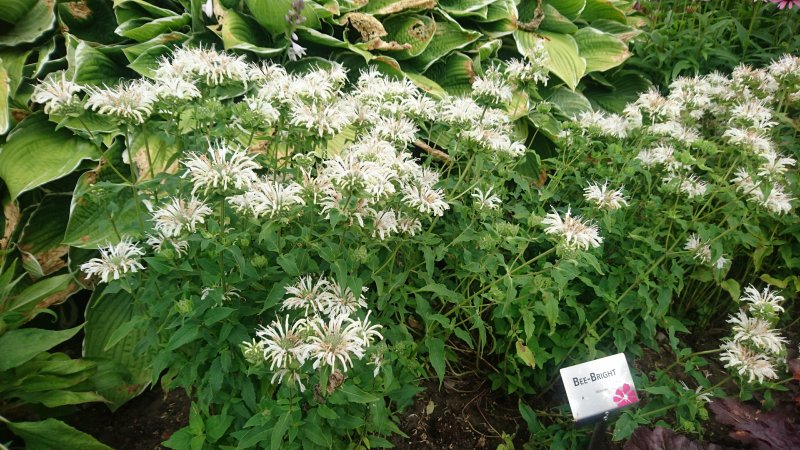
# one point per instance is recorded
(663, 439)
(763, 430)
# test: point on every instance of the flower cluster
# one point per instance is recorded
(115, 261)
(755, 347)
(327, 333)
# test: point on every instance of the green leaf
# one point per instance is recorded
(382, 7)
(22, 345)
(454, 73)
(29, 19)
(94, 207)
(36, 153)
(732, 287)
(564, 60)
(239, 32)
(124, 369)
(56, 398)
(148, 61)
(412, 29)
(5, 91)
(571, 9)
(525, 354)
(39, 291)
(449, 36)
(13, 60)
(555, 22)
(627, 87)
(356, 394)
(551, 310)
(602, 9)
(185, 334)
(436, 355)
(52, 434)
(271, 14)
(88, 65)
(276, 438)
(141, 30)
(602, 51)
(568, 103)
(90, 20)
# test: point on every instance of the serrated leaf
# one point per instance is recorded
(36, 153)
(436, 356)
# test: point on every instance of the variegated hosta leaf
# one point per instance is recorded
(449, 36)
(602, 51)
(415, 30)
(29, 19)
(564, 60)
(240, 32)
(570, 9)
(383, 7)
(602, 9)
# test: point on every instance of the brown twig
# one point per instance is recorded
(436, 154)
(533, 24)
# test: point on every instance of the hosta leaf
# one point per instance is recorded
(309, 35)
(36, 153)
(570, 9)
(141, 30)
(99, 212)
(449, 36)
(167, 39)
(627, 87)
(622, 31)
(466, 8)
(602, 9)
(30, 20)
(555, 22)
(382, 7)
(13, 61)
(27, 300)
(271, 14)
(568, 103)
(5, 89)
(44, 232)
(412, 29)
(455, 73)
(601, 51)
(123, 369)
(502, 10)
(564, 60)
(90, 20)
(240, 32)
(88, 65)
(147, 62)
(21, 345)
(52, 434)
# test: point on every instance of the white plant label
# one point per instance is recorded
(598, 386)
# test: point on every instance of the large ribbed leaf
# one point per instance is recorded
(602, 51)
(626, 88)
(13, 60)
(29, 19)
(602, 9)
(239, 32)
(271, 14)
(454, 73)
(147, 62)
(555, 22)
(53, 434)
(88, 65)
(90, 20)
(449, 36)
(567, 103)
(168, 39)
(622, 31)
(466, 8)
(22, 345)
(5, 89)
(412, 29)
(571, 9)
(564, 60)
(501, 19)
(113, 333)
(99, 212)
(141, 30)
(380, 7)
(36, 153)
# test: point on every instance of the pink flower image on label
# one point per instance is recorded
(625, 395)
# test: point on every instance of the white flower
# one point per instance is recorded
(753, 112)
(701, 250)
(269, 114)
(376, 360)
(425, 199)
(334, 341)
(268, 198)
(574, 233)
(604, 197)
(524, 72)
(366, 331)
(306, 294)
(226, 166)
(788, 66)
(721, 262)
(398, 130)
(55, 92)
(130, 101)
(180, 215)
(692, 186)
(385, 224)
(283, 344)
(295, 51)
(408, 225)
(459, 110)
(319, 118)
(339, 299)
(704, 397)
(756, 331)
(115, 261)
(748, 363)
(176, 88)
(661, 154)
(492, 87)
(752, 139)
(765, 303)
(777, 201)
(206, 64)
(159, 241)
(675, 130)
(775, 164)
(486, 200)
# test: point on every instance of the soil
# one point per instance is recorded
(462, 414)
(141, 424)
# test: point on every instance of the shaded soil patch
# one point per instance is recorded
(141, 424)
(462, 414)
